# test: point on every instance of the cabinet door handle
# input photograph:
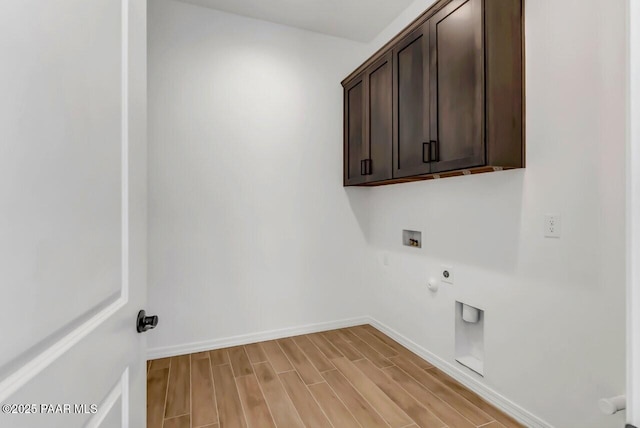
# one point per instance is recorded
(435, 157)
(426, 152)
(366, 167)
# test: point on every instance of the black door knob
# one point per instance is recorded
(144, 322)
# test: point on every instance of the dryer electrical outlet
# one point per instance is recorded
(446, 274)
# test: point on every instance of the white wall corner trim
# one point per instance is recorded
(633, 217)
(488, 394)
(245, 339)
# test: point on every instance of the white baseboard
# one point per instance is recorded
(493, 397)
(501, 402)
(245, 339)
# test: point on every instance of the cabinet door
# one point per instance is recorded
(411, 104)
(379, 119)
(457, 86)
(355, 144)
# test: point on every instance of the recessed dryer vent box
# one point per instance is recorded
(412, 238)
(470, 337)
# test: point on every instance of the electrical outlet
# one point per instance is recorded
(552, 226)
(446, 274)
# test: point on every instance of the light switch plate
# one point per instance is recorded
(552, 226)
(446, 274)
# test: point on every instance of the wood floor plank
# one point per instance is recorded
(178, 391)
(300, 362)
(335, 410)
(435, 405)
(474, 398)
(229, 406)
(219, 357)
(353, 377)
(203, 406)
(255, 353)
(381, 336)
(240, 361)
(308, 409)
(341, 333)
(367, 351)
(416, 411)
(160, 363)
(373, 341)
(389, 411)
(157, 381)
(276, 357)
(282, 409)
(199, 355)
(314, 355)
(324, 345)
(462, 405)
(359, 407)
(342, 345)
(178, 422)
(415, 359)
(253, 402)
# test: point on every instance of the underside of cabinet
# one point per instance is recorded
(457, 173)
(492, 73)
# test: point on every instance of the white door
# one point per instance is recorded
(72, 212)
(633, 220)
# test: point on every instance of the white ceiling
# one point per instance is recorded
(359, 20)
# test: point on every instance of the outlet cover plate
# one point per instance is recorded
(552, 226)
(446, 274)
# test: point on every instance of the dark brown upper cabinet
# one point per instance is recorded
(411, 131)
(455, 79)
(355, 149)
(368, 125)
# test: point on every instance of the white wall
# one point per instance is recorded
(250, 229)
(633, 219)
(555, 309)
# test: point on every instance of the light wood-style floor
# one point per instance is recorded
(353, 377)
